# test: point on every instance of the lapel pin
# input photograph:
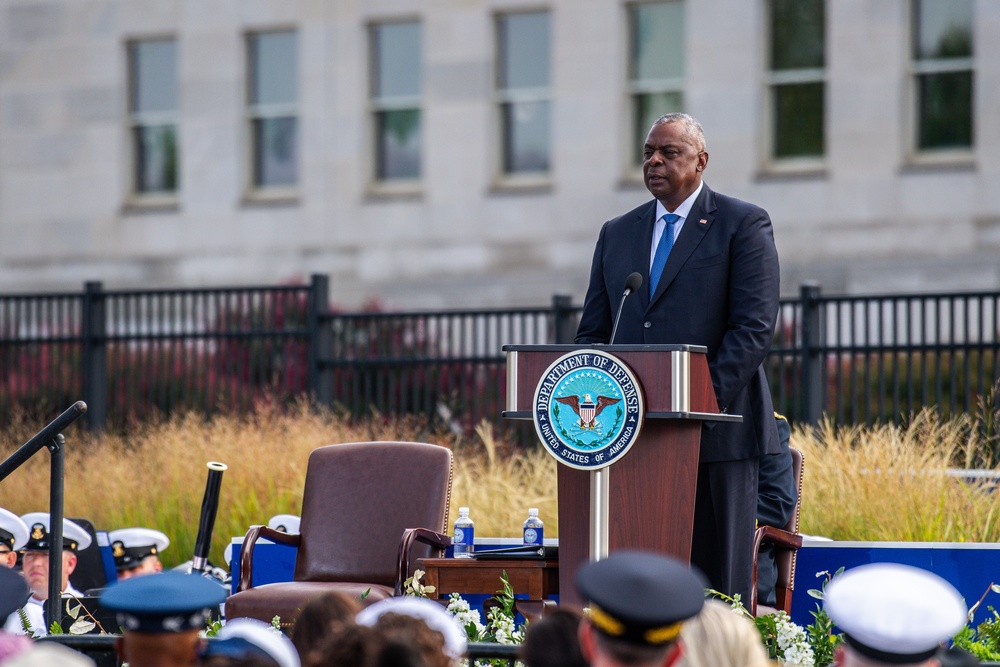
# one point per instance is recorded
(703, 221)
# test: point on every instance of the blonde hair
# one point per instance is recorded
(721, 637)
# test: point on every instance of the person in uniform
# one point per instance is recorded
(639, 602)
(137, 551)
(35, 568)
(776, 498)
(13, 536)
(892, 614)
(161, 615)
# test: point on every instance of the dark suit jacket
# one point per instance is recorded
(719, 289)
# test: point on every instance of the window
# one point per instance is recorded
(153, 115)
(272, 109)
(797, 89)
(656, 67)
(523, 79)
(396, 88)
(942, 75)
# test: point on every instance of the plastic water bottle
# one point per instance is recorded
(465, 533)
(533, 529)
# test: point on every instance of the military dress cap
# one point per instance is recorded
(894, 613)
(14, 591)
(75, 538)
(130, 546)
(286, 523)
(243, 638)
(639, 597)
(13, 531)
(164, 602)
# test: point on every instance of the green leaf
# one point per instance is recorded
(71, 611)
(56, 629)
(814, 593)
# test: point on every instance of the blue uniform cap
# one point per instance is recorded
(14, 591)
(164, 602)
(641, 598)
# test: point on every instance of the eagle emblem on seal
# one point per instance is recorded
(587, 409)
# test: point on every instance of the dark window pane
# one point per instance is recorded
(154, 76)
(524, 51)
(798, 120)
(397, 60)
(275, 159)
(398, 144)
(156, 158)
(274, 63)
(945, 110)
(646, 109)
(797, 34)
(526, 130)
(658, 41)
(944, 29)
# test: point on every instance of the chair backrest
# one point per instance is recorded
(357, 501)
(785, 559)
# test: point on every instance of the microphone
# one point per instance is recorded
(632, 283)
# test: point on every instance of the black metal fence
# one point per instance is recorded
(134, 354)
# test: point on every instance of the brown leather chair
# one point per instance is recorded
(365, 508)
(786, 543)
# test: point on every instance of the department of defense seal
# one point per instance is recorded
(587, 409)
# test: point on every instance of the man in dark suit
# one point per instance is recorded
(712, 282)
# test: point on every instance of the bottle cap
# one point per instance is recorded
(463, 510)
(533, 511)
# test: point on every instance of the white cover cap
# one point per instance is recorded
(432, 613)
(894, 613)
(263, 636)
(71, 531)
(13, 524)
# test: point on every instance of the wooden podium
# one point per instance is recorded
(650, 490)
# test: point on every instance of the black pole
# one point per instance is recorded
(41, 439)
(56, 498)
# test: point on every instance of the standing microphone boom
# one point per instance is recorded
(632, 283)
(209, 508)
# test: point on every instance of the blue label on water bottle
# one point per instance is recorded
(533, 536)
(464, 535)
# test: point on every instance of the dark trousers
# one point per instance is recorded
(725, 515)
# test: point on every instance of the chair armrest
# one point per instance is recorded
(246, 551)
(778, 537)
(410, 536)
(781, 539)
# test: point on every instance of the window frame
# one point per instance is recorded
(773, 79)
(634, 86)
(916, 156)
(378, 105)
(503, 96)
(135, 120)
(254, 191)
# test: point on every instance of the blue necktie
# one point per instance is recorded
(662, 251)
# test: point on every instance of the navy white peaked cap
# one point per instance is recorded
(130, 546)
(286, 523)
(13, 531)
(75, 538)
(165, 602)
(894, 613)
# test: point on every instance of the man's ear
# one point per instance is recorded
(70, 563)
(585, 633)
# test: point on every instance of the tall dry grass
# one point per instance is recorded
(156, 475)
(890, 483)
(884, 483)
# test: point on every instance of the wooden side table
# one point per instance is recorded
(539, 579)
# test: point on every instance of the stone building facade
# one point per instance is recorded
(453, 153)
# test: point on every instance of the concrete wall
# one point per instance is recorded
(871, 220)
